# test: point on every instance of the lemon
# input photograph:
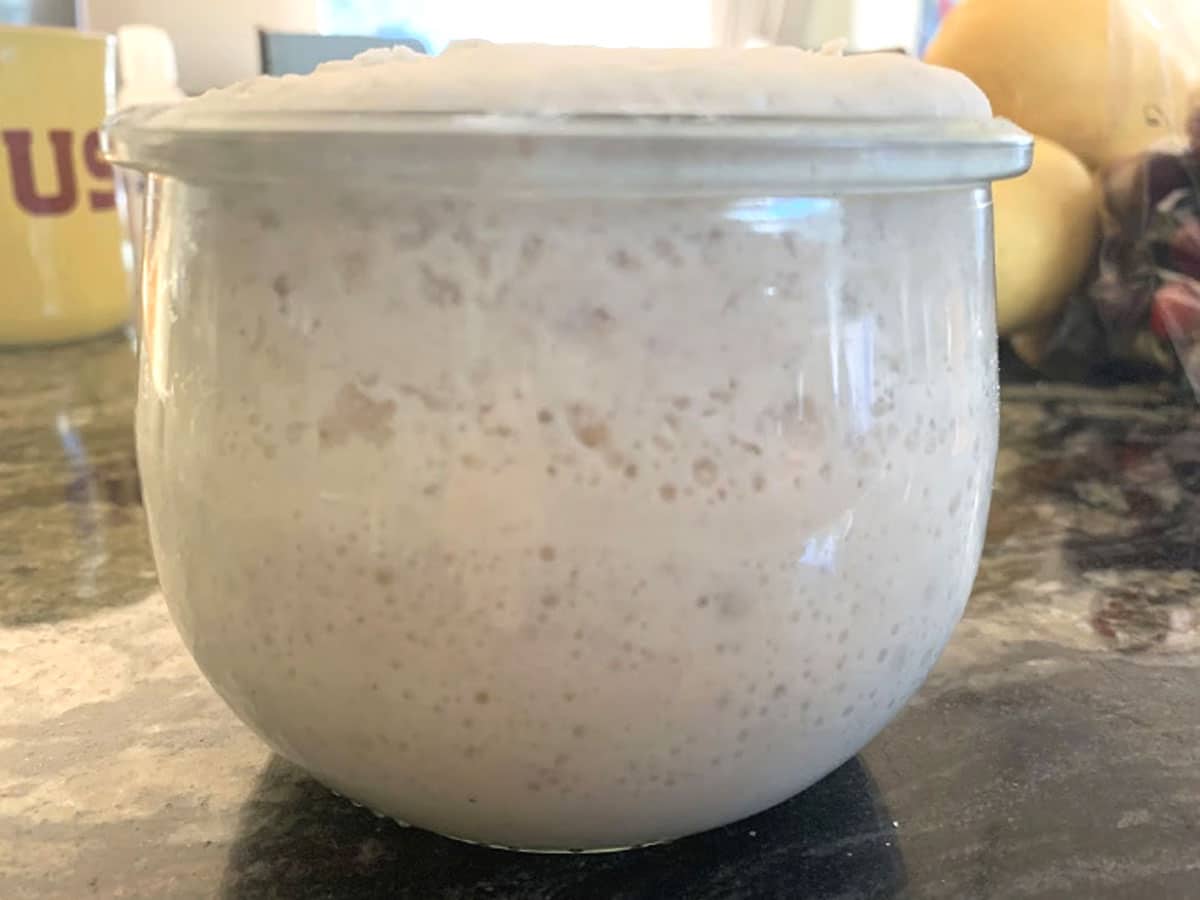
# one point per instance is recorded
(1097, 76)
(1047, 224)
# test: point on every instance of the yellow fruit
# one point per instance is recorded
(1047, 222)
(1095, 75)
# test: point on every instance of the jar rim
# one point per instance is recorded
(627, 154)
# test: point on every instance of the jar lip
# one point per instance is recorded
(641, 153)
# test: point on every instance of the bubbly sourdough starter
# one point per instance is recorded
(565, 523)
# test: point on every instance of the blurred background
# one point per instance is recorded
(1098, 247)
(217, 42)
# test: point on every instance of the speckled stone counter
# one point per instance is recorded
(1055, 752)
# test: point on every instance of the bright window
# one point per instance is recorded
(646, 23)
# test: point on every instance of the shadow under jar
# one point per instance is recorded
(567, 484)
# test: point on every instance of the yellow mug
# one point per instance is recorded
(63, 273)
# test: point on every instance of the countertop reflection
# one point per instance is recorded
(1055, 752)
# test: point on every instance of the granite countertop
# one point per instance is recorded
(1054, 753)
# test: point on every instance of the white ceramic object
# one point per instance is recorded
(216, 40)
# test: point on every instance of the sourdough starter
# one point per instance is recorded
(567, 522)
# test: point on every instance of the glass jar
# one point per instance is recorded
(572, 484)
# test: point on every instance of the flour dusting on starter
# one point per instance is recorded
(539, 79)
